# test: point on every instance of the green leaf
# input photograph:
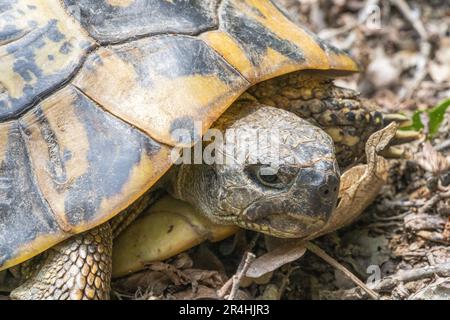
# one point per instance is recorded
(435, 118)
(417, 124)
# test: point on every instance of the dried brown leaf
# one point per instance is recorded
(182, 261)
(286, 253)
(205, 277)
(154, 282)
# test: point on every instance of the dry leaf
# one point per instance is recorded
(205, 277)
(288, 252)
(182, 261)
(153, 282)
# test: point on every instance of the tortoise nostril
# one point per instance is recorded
(324, 191)
(329, 187)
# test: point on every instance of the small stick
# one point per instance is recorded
(223, 291)
(404, 276)
(432, 201)
(364, 14)
(429, 204)
(442, 270)
(403, 203)
(385, 224)
(322, 254)
(392, 218)
(242, 270)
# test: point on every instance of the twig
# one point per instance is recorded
(432, 201)
(253, 241)
(402, 203)
(385, 224)
(223, 291)
(322, 254)
(430, 258)
(409, 15)
(389, 283)
(442, 270)
(242, 270)
(425, 47)
(392, 218)
(367, 10)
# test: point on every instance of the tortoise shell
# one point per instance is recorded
(92, 90)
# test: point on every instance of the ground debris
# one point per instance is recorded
(174, 279)
(400, 246)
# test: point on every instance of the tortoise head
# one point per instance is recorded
(275, 173)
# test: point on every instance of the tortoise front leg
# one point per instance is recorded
(77, 269)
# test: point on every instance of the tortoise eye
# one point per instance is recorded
(269, 177)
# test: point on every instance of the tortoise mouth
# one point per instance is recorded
(284, 225)
(287, 217)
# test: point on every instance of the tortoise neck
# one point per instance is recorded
(195, 184)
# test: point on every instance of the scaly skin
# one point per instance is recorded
(77, 269)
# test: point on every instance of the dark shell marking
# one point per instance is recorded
(38, 54)
(24, 214)
(110, 23)
(254, 37)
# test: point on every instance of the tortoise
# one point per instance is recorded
(169, 226)
(94, 95)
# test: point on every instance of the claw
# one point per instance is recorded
(405, 136)
(393, 152)
(401, 119)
